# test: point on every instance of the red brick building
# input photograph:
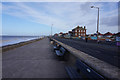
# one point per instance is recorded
(79, 31)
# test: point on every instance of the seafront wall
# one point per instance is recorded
(12, 46)
(0, 62)
(106, 70)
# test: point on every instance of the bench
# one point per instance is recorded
(82, 72)
(87, 71)
(50, 39)
(60, 52)
(74, 75)
(55, 47)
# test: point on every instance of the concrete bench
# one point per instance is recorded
(55, 48)
(74, 75)
(87, 71)
(60, 52)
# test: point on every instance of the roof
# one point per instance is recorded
(61, 33)
(100, 33)
(65, 33)
(79, 28)
(108, 33)
(117, 34)
(69, 31)
(56, 34)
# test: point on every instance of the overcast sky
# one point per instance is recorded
(36, 18)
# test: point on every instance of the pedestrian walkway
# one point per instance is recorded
(35, 60)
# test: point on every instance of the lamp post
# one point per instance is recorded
(51, 29)
(97, 21)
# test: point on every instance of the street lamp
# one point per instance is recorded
(97, 20)
(51, 29)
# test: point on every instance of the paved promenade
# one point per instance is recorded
(35, 60)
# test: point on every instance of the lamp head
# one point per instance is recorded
(92, 6)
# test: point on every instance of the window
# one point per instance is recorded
(76, 34)
(75, 30)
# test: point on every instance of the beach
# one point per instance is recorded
(12, 46)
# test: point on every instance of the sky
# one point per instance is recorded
(36, 18)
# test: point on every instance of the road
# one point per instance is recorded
(106, 53)
(35, 60)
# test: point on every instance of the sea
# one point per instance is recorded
(9, 40)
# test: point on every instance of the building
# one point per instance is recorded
(116, 36)
(108, 35)
(79, 31)
(93, 36)
(100, 35)
(56, 35)
(118, 39)
(70, 33)
(66, 35)
(60, 34)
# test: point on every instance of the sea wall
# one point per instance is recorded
(106, 70)
(9, 47)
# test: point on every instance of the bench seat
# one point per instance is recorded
(62, 50)
(87, 71)
(55, 47)
(74, 75)
(58, 53)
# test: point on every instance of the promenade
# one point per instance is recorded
(35, 60)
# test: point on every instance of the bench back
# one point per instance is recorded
(62, 50)
(87, 71)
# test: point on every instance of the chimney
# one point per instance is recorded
(84, 27)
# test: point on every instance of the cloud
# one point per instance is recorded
(60, 0)
(60, 17)
(110, 21)
(0, 8)
(0, 19)
(64, 15)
